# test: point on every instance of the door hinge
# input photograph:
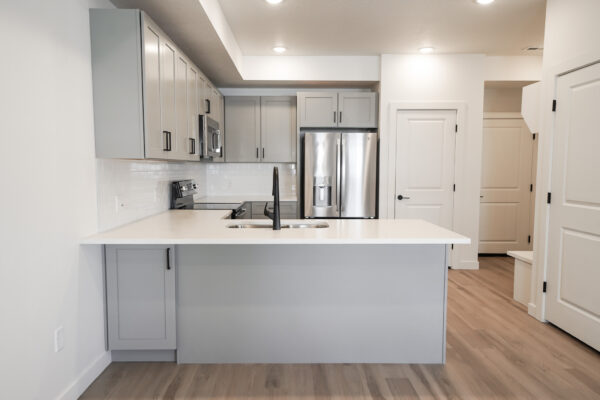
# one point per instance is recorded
(553, 105)
(454, 187)
(544, 287)
(549, 199)
(456, 128)
(531, 187)
(534, 136)
(529, 239)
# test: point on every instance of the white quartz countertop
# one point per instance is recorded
(211, 227)
(242, 198)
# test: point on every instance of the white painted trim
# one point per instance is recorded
(387, 188)
(502, 115)
(537, 307)
(86, 377)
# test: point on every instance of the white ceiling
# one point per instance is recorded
(371, 27)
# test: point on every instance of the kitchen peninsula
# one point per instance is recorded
(361, 291)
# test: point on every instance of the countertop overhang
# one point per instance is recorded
(187, 227)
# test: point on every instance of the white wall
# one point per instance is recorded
(48, 202)
(570, 42)
(513, 68)
(502, 99)
(443, 78)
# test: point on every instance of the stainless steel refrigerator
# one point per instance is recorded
(339, 173)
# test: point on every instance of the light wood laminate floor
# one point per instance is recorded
(495, 351)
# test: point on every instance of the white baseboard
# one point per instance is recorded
(466, 265)
(85, 379)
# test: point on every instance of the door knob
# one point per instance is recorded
(400, 197)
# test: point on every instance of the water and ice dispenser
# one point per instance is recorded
(322, 191)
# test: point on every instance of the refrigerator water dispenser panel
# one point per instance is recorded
(322, 191)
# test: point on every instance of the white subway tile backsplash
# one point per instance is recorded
(130, 190)
(234, 179)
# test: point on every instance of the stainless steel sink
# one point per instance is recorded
(283, 226)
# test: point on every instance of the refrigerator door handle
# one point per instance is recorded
(340, 177)
(338, 173)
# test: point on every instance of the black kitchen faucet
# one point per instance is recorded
(275, 214)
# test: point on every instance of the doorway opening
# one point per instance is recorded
(508, 173)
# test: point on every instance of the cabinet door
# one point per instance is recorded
(181, 135)
(357, 110)
(154, 138)
(194, 104)
(203, 93)
(218, 114)
(242, 122)
(140, 297)
(278, 129)
(318, 109)
(167, 96)
(210, 100)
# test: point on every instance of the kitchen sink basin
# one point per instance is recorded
(283, 225)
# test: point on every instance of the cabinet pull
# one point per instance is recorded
(340, 117)
(167, 141)
(193, 146)
(168, 258)
(257, 152)
(263, 153)
(208, 106)
(334, 113)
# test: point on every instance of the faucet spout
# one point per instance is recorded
(275, 213)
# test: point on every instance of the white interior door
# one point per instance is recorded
(573, 301)
(425, 142)
(505, 186)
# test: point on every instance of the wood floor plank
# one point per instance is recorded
(495, 350)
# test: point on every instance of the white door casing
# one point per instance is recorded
(505, 203)
(573, 298)
(425, 147)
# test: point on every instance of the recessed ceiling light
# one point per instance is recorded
(484, 2)
(279, 49)
(273, 1)
(426, 50)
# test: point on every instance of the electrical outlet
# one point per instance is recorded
(59, 339)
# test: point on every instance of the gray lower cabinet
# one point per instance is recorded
(140, 297)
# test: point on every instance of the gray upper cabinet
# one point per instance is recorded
(333, 109)
(148, 95)
(140, 297)
(242, 129)
(357, 109)
(278, 129)
(260, 129)
(318, 109)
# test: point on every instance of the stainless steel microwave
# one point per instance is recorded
(211, 138)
